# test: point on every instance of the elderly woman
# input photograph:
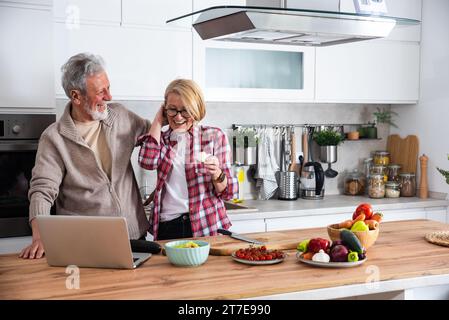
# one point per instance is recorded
(193, 164)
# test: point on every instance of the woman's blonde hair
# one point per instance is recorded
(191, 96)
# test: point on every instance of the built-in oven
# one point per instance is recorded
(19, 138)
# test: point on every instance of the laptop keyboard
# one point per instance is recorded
(135, 259)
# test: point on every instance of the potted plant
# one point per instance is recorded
(328, 140)
(245, 146)
(444, 173)
(381, 116)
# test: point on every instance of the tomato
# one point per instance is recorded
(364, 208)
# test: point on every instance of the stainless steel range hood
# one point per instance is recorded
(290, 26)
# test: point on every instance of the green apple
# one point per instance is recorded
(360, 226)
(303, 245)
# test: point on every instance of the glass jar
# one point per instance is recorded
(367, 164)
(393, 172)
(392, 189)
(381, 158)
(376, 186)
(408, 184)
(378, 169)
(354, 183)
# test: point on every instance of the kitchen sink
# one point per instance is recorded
(238, 208)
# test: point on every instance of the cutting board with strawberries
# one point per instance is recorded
(404, 151)
(225, 245)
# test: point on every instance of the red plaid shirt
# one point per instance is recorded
(206, 207)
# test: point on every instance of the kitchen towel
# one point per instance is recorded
(267, 165)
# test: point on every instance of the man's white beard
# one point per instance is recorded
(96, 114)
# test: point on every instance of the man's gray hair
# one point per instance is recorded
(77, 69)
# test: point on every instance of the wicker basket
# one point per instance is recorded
(440, 238)
(367, 238)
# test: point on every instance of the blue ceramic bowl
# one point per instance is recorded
(187, 257)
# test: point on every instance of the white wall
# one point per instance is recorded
(429, 119)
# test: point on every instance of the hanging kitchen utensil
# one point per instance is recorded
(305, 144)
(293, 164)
(328, 154)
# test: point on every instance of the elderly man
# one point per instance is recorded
(83, 160)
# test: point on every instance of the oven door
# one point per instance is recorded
(17, 159)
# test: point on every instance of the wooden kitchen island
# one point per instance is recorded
(400, 262)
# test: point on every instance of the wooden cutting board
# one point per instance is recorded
(404, 151)
(225, 245)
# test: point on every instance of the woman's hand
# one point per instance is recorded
(212, 166)
(160, 117)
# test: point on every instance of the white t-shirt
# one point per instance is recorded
(176, 197)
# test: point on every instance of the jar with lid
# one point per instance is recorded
(408, 184)
(379, 169)
(367, 164)
(381, 158)
(354, 183)
(393, 172)
(392, 189)
(376, 186)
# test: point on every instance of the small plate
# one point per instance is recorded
(257, 263)
(330, 264)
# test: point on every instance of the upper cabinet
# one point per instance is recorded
(74, 12)
(26, 56)
(230, 71)
(156, 13)
(374, 71)
(141, 52)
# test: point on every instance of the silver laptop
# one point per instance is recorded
(86, 241)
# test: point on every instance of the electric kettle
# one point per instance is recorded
(312, 181)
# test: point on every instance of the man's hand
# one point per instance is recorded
(33, 251)
(36, 249)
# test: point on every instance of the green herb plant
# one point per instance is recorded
(445, 173)
(328, 137)
(385, 116)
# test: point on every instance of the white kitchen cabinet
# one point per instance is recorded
(76, 12)
(144, 13)
(28, 3)
(140, 62)
(26, 55)
(253, 72)
(317, 221)
(248, 226)
(374, 71)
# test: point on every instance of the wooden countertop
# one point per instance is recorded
(401, 252)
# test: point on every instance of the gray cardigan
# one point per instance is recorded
(66, 171)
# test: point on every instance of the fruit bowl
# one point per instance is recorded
(367, 238)
(187, 256)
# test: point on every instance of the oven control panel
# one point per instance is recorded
(24, 126)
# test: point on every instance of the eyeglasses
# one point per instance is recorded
(174, 113)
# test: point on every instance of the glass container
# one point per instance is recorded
(392, 189)
(393, 172)
(379, 169)
(408, 184)
(381, 158)
(354, 183)
(376, 186)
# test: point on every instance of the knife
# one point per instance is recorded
(238, 236)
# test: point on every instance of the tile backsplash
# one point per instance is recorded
(224, 114)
